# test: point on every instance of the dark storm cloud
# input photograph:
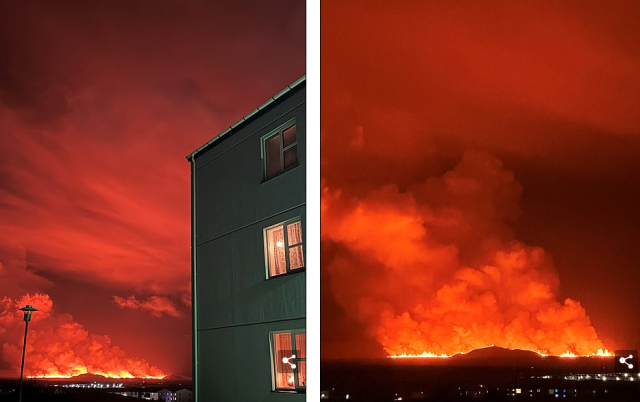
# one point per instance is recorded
(26, 86)
(550, 90)
(17, 274)
(52, 50)
(99, 104)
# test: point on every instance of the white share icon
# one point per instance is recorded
(623, 360)
(287, 360)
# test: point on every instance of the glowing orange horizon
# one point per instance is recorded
(122, 375)
(424, 354)
(430, 355)
(80, 370)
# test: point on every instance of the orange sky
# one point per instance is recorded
(99, 105)
(456, 132)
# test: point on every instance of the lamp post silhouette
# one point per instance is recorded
(28, 309)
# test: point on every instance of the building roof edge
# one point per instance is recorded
(247, 117)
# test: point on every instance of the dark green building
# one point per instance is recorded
(248, 256)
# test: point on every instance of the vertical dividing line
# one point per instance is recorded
(280, 136)
(296, 384)
(274, 368)
(285, 247)
(194, 278)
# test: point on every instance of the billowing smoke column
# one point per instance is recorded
(435, 267)
(58, 346)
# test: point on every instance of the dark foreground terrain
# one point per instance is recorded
(73, 395)
(83, 389)
(489, 375)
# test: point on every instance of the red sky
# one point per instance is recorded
(459, 135)
(100, 102)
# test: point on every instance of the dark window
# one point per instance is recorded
(280, 151)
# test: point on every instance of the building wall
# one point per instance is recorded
(237, 306)
(184, 395)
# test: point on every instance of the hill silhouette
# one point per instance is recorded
(497, 356)
(89, 377)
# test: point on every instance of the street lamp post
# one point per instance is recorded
(28, 309)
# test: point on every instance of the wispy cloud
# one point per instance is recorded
(157, 306)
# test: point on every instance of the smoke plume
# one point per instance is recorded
(435, 267)
(59, 346)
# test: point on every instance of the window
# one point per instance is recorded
(285, 251)
(280, 150)
(289, 355)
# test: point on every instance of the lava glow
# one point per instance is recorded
(424, 355)
(429, 355)
(119, 375)
(60, 347)
(569, 354)
(444, 274)
(79, 370)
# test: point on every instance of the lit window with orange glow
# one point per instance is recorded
(289, 360)
(284, 248)
(280, 150)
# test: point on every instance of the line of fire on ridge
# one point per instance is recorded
(122, 375)
(567, 354)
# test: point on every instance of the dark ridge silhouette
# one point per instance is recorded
(497, 356)
(89, 377)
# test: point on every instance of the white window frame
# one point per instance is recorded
(284, 225)
(297, 387)
(263, 152)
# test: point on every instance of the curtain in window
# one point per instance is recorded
(301, 346)
(294, 233)
(276, 251)
(294, 236)
(283, 371)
